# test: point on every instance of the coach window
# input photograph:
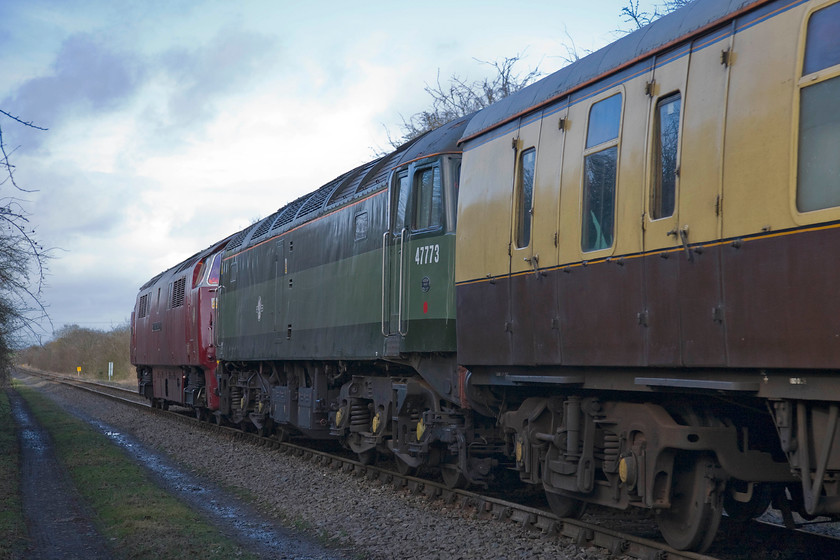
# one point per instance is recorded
(819, 114)
(428, 199)
(600, 167)
(666, 142)
(525, 197)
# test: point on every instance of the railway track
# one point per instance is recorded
(588, 533)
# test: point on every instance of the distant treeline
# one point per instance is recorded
(89, 349)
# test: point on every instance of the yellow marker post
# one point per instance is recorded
(78, 370)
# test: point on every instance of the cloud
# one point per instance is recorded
(199, 76)
(74, 204)
(86, 77)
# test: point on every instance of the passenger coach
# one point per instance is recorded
(645, 259)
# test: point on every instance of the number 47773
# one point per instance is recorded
(427, 254)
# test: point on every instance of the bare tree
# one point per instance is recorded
(572, 53)
(460, 97)
(73, 346)
(637, 18)
(22, 259)
(669, 6)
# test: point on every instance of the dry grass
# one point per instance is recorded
(13, 536)
(141, 519)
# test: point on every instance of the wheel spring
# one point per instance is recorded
(359, 414)
(611, 448)
(236, 398)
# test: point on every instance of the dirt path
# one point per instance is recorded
(59, 525)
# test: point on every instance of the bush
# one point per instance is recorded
(90, 349)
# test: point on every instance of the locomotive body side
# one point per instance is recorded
(337, 312)
(319, 291)
(635, 269)
(310, 293)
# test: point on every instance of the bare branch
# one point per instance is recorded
(22, 262)
(23, 122)
(572, 53)
(632, 14)
(459, 97)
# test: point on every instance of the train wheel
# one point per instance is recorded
(367, 457)
(758, 503)
(218, 418)
(691, 522)
(452, 476)
(404, 468)
(199, 413)
(266, 429)
(281, 433)
(564, 506)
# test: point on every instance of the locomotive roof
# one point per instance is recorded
(352, 185)
(695, 18)
(186, 263)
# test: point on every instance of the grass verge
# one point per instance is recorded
(13, 536)
(140, 519)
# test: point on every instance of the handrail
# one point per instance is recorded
(384, 279)
(402, 266)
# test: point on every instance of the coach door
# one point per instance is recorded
(682, 282)
(534, 209)
(394, 268)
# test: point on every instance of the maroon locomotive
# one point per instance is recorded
(172, 336)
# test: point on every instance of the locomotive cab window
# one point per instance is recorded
(818, 173)
(525, 197)
(428, 199)
(665, 145)
(600, 163)
(198, 272)
(399, 201)
(213, 276)
(451, 187)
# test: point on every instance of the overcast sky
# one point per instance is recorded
(175, 123)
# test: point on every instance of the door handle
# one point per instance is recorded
(534, 261)
(682, 235)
